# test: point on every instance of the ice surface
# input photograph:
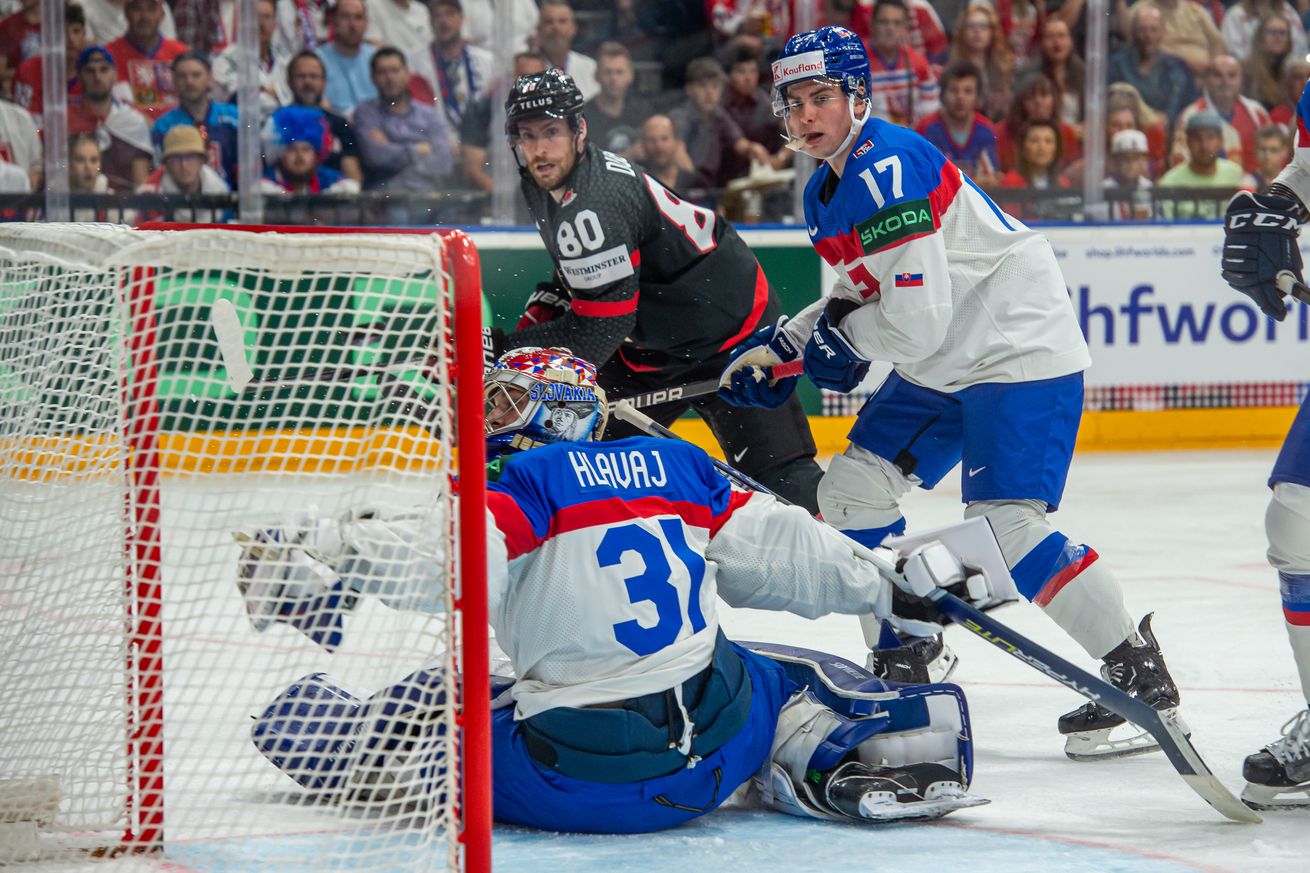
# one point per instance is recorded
(1184, 533)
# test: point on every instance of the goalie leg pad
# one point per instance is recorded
(326, 739)
(928, 722)
(308, 732)
(846, 713)
(825, 765)
(401, 743)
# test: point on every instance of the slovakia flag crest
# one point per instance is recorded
(909, 280)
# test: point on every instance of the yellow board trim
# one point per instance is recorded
(359, 449)
(321, 450)
(1118, 431)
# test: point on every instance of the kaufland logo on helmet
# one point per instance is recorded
(804, 66)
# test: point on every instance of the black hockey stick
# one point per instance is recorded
(667, 395)
(694, 389)
(1177, 747)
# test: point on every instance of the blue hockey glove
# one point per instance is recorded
(830, 360)
(1260, 244)
(745, 381)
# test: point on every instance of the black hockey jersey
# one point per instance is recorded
(659, 280)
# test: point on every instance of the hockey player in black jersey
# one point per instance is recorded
(652, 287)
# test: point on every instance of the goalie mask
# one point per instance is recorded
(537, 396)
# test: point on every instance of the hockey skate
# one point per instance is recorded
(1278, 776)
(1092, 731)
(280, 583)
(865, 792)
(918, 662)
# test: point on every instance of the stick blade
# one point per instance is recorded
(1200, 779)
(231, 344)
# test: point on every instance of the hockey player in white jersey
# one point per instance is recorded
(629, 710)
(969, 306)
(1262, 259)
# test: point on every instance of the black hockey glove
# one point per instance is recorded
(547, 303)
(1260, 246)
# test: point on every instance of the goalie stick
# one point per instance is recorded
(1177, 747)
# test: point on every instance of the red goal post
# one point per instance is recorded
(112, 380)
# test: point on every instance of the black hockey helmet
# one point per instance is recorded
(551, 93)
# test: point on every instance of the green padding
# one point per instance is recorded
(190, 365)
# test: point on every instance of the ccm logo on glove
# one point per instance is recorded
(1263, 219)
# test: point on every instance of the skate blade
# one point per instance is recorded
(1265, 797)
(941, 667)
(882, 807)
(1121, 741)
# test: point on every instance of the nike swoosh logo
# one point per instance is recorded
(736, 459)
(974, 471)
(814, 231)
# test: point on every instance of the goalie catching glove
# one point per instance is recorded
(1260, 246)
(286, 574)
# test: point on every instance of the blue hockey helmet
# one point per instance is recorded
(833, 54)
(539, 396)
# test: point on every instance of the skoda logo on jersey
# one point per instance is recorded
(895, 223)
(555, 392)
(803, 66)
(863, 149)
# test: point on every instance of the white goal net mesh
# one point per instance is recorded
(142, 709)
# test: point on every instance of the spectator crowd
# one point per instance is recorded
(396, 95)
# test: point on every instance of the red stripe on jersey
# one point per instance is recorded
(1302, 135)
(634, 367)
(845, 248)
(1296, 619)
(510, 520)
(840, 249)
(752, 321)
(613, 509)
(603, 309)
(1057, 582)
(736, 500)
(943, 195)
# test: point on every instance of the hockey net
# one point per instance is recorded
(130, 450)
